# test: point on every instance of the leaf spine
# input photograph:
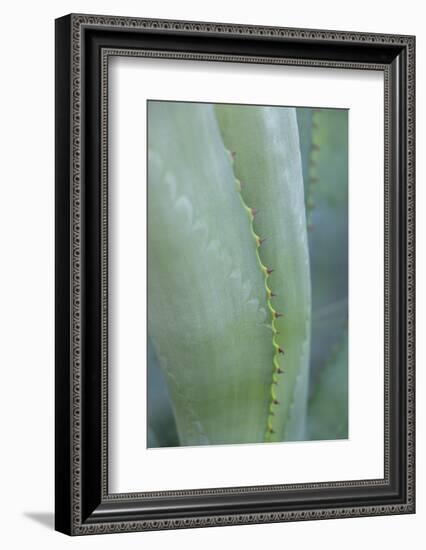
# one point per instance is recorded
(267, 271)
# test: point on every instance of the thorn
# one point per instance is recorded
(280, 350)
(254, 211)
(271, 431)
(261, 241)
(275, 402)
(279, 371)
(233, 154)
(272, 295)
(276, 315)
(269, 270)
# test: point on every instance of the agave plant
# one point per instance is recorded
(229, 281)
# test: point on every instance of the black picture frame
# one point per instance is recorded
(83, 45)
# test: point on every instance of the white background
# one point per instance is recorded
(361, 456)
(26, 301)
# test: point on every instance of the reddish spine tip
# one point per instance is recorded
(269, 270)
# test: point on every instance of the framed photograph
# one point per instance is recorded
(234, 274)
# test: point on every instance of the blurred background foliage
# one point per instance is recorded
(324, 148)
(323, 137)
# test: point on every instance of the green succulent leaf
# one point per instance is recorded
(324, 142)
(161, 422)
(304, 122)
(328, 406)
(207, 313)
(264, 142)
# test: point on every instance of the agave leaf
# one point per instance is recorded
(152, 438)
(324, 144)
(265, 144)
(328, 409)
(161, 422)
(304, 122)
(206, 309)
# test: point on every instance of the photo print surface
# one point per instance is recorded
(247, 274)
